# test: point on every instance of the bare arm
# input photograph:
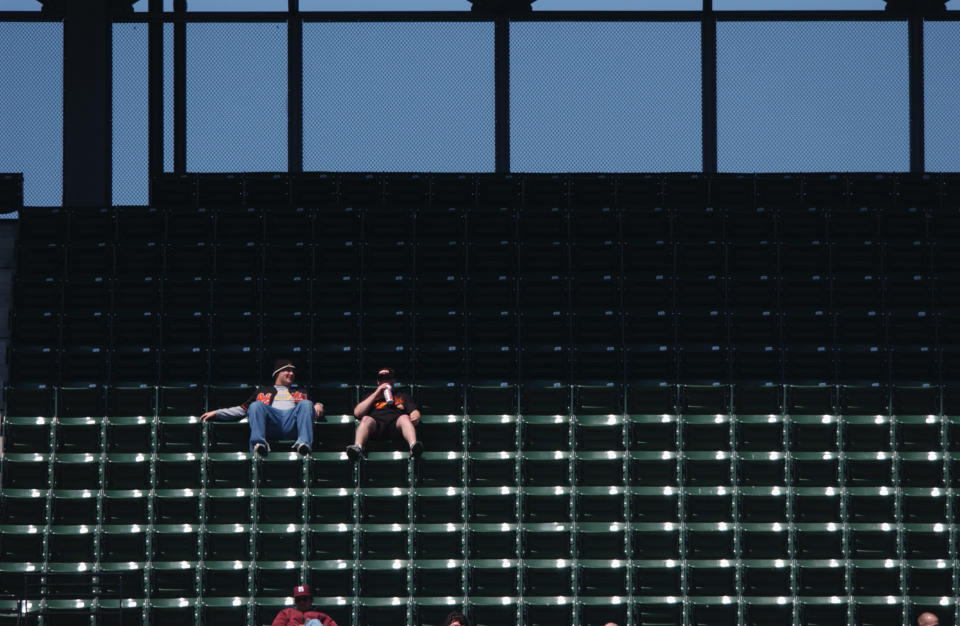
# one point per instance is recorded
(367, 403)
(415, 416)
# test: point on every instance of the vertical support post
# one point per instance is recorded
(502, 94)
(180, 89)
(708, 81)
(294, 89)
(155, 56)
(87, 100)
(915, 44)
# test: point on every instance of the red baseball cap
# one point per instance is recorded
(301, 590)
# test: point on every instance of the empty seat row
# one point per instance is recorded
(641, 398)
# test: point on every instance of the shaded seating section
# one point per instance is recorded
(689, 400)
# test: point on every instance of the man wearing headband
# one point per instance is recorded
(277, 411)
(386, 414)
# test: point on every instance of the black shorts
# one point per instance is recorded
(386, 428)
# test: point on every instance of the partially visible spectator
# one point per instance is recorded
(302, 613)
(927, 619)
(456, 619)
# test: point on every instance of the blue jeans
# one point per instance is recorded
(266, 421)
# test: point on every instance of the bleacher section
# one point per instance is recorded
(648, 399)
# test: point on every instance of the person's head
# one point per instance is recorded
(456, 618)
(386, 375)
(283, 372)
(927, 619)
(302, 598)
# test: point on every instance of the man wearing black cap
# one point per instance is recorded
(276, 411)
(302, 611)
(386, 414)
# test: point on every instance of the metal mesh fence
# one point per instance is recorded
(236, 97)
(798, 5)
(812, 96)
(237, 5)
(618, 5)
(31, 111)
(398, 97)
(942, 96)
(131, 121)
(605, 97)
(168, 97)
(384, 5)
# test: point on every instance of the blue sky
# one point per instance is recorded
(814, 96)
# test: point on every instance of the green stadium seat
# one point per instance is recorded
(178, 471)
(438, 469)
(127, 471)
(129, 435)
(176, 506)
(71, 544)
(221, 542)
(178, 542)
(280, 506)
(383, 505)
(171, 611)
(24, 435)
(820, 578)
(920, 505)
(654, 469)
(279, 542)
(493, 577)
(818, 541)
(223, 578)
(282, 469)
(438, 505)
(25, 507)
(600, 503)
(229, 470)
(755, 433)
(492, 540)
(546, 541)
(22, 543)
(77, 471)
(766, 578)
(120, 506)
(227, 506)
(545, 432)
(331, 506)
(706, 540)
(326, 542)
(23, 470)
(540, 469)
(764, 540)
(439, 541)
(652, 433)
(123, 543)
(654, 504)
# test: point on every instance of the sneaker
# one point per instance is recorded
(303, 449)
(416, 449)
(260, 449)
(354, 452)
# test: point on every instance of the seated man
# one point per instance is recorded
(277, 412)
(386, 414)
(302, 613)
